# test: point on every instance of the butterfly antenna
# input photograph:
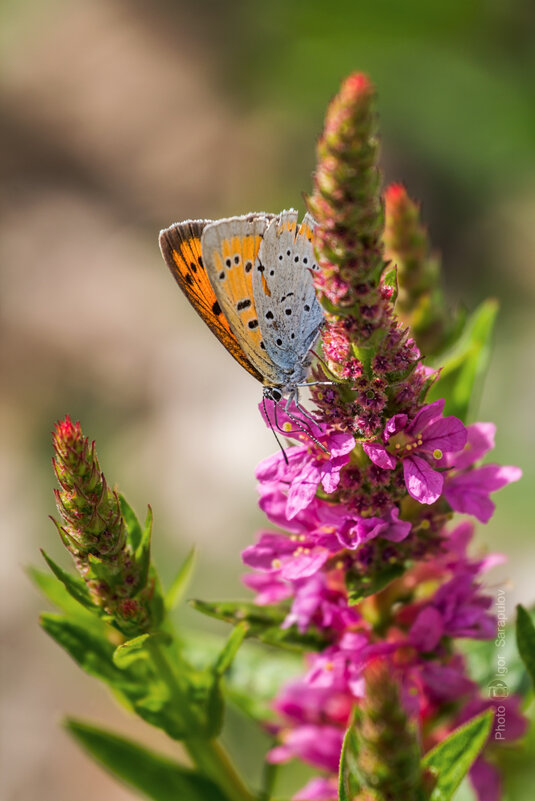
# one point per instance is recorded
(272, 428)
(300, 426)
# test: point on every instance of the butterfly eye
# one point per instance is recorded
(306, 307)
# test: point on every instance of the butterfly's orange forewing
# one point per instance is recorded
(181, 249)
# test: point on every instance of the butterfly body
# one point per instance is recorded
(250, 279)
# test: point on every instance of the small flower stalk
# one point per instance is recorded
(94, 530)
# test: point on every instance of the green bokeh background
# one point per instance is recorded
(122, 117)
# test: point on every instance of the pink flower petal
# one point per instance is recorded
(423, 483)
(304, 565)
(445, 434)
(319, 789)
(480, 441)
(379, 455)
(426, 416)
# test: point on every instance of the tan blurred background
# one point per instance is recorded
(118, 118)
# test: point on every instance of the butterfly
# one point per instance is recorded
(250, 279)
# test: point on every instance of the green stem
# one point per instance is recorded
(207, 754)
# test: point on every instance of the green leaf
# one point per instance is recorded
(359, 586)
(465, 365)
(348, 781)
(91, 652)
(264, 622)
(230, 649)
(75, 586)
(452, 758)
(133, 528)
(155, 776)
(215, 704)
(180, 584)
(54, 590)
(134, 649)
(525, 639)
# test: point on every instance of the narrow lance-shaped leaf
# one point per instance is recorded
(525, 638)
(348, 781)
(180, 584)
(75, 586)
(155, 776)
(465, 365)
(54, 590)
(264, 622)
(452, 758)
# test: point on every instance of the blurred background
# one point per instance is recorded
(119, 118)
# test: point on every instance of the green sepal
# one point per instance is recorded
(390, 279)
(153, 775)
(135, 649)
(142, 553)
(133, 528)
(264, 622)
(525, 640)
(465, 365)
(349, 783)
(178, 588)
(360, 586)
(75, 586)
(453, 757)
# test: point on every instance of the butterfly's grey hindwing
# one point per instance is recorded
(289, 314)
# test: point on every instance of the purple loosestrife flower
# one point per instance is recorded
(307, 468)
(416, 444)
(467, 487)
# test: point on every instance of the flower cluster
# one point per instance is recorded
(94, 531)
(365, 551)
